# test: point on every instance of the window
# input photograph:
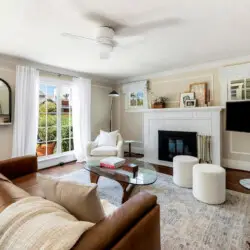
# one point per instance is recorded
(55, 131)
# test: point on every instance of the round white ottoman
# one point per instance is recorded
(209, 183)
(183, 170)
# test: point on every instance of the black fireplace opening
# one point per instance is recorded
(172, 143)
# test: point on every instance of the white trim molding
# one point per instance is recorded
(236, 164)
(192, 68)
(54, 160)
(195, 78)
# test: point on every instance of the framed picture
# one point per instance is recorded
(136, 95)
(136, 99)
(200, 91)
(184, 97)
(190, 103)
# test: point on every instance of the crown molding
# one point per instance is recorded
(192, 68)
(9, 62)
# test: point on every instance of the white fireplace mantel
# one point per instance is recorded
(208, 109)
(203, 120)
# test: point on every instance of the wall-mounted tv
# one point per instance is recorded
(238, 116)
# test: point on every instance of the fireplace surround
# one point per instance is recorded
(202, 120)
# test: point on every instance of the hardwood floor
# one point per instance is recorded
(232, 175)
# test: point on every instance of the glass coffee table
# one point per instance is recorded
(146, 175)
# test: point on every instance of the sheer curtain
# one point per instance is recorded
(81, 115)
(26, 111)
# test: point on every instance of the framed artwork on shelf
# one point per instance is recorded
(184, 97)
(136, 95)
(190, 103)
(136, 99)
(200, 91)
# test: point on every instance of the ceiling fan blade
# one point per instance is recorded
(102, 20)
(69, 35)
(128, 42)
(147, 27)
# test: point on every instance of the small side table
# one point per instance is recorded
(129, 142)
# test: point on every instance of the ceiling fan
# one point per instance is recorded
(109, 31)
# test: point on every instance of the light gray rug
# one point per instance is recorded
(185, 222)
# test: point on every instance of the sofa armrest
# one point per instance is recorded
(109, 231)
(19, 166)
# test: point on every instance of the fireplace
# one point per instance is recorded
(172, 143)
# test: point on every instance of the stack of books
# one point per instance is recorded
(112, 162)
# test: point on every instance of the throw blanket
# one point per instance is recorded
(36, 223)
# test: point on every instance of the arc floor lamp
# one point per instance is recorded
(112, 94)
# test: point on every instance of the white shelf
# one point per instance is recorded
(205, 109)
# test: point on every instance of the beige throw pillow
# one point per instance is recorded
(80, 200)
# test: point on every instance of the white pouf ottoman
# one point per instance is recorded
(209, 183)
(183, 170)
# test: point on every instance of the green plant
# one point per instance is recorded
(66, 96)
(66, 122)
(160, 100)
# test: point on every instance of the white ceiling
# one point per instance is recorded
(208, 30)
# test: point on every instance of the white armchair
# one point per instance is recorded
(95, 152)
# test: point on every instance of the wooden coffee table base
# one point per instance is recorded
(127, 188)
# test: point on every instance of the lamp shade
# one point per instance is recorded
(113, 93)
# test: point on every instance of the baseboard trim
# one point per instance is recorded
(235, 164)
(46, 163)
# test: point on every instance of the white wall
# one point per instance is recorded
(9, 75)
(100, 108)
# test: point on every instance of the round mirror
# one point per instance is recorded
(5, 102)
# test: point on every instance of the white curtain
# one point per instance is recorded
(81, 115)
(26, 111)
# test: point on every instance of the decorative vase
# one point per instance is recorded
(158, 105)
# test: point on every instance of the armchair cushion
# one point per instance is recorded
(104, 151)
(107, 139)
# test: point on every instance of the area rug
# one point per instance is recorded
(185, 222)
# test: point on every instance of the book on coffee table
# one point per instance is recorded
(112, 162)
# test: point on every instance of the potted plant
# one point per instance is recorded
(65, 101)
(159, 102)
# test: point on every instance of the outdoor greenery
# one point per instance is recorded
(52, 123)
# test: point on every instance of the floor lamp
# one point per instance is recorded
(112, 94)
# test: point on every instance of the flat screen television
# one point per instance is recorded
(238, 116)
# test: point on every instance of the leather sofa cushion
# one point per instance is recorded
(80, 200)
(29, 184)
(104, 151)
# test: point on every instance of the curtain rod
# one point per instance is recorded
(57, 74)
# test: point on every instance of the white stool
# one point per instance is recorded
(209, 183)
(183, 170)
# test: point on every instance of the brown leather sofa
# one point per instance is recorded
(134, 225)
